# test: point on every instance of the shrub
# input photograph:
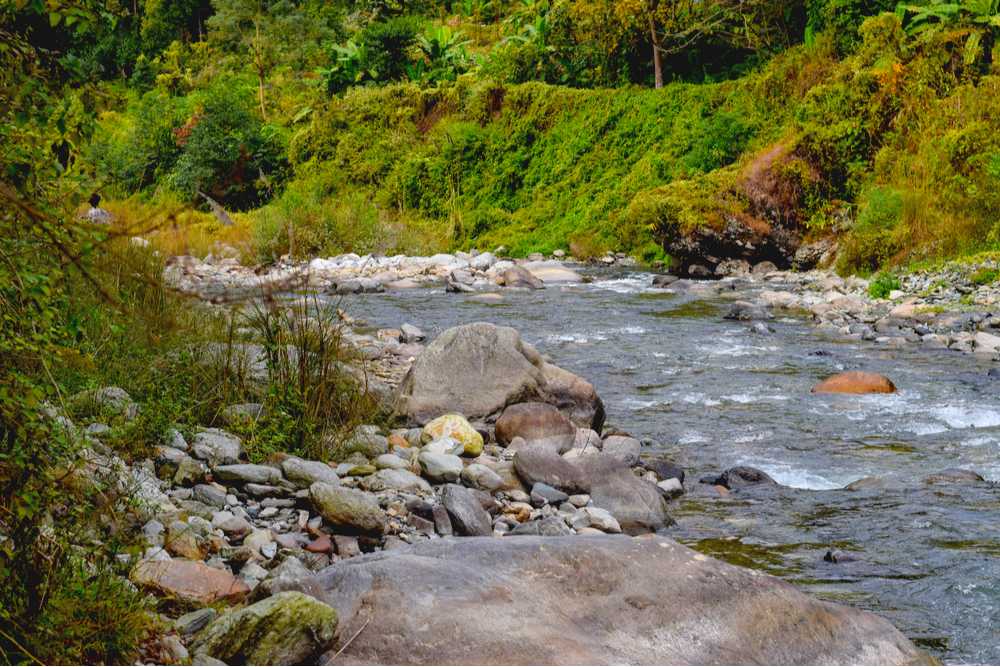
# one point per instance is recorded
(873, 240)
(227, 152)
(882, 285)
(312, 401)
(985, 276)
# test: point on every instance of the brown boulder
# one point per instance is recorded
(587, 600)
(536, 423)
(855, 382)
(189, 581)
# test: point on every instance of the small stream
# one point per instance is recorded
(715, 394)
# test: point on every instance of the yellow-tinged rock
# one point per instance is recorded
(456, 427)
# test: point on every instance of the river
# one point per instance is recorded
(713, 393)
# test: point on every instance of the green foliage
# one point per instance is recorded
(311, 400)
(882, 285)
(210, 141)
(874, 239)
(444, 55)
(842, 19)
(985, 276)
(227, 152)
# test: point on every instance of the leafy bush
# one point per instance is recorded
(985, 276)
(882, 285)
(227, 152)
(842, 19)
(874, 239)
(381, 53)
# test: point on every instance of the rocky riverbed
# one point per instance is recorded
(506, 443)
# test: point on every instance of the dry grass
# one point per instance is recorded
(173, 228)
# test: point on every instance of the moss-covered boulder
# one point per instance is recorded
(289, 628)
(456, 427)
(348, 509)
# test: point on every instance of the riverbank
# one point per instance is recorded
(952, 307)
(502, 443)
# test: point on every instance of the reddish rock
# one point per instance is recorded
(855, 382)
(321, 545)
(189, 581)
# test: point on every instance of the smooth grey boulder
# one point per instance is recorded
(243, 473)
(217, 447)
(482, 477)
(518, 276)
(638, 505)
(395, 480)
(479, 369)
(538, 463)
(622, 447)
(588, 600)
(440, 467)
(467, 515)
(303, 472)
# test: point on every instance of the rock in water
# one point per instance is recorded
(855, 382)
(479, 369)
(589, 600)
(740, 477)
(518, 276)
(289, 628)
(552, 272)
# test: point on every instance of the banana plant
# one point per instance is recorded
(919, 18)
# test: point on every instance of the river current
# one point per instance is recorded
(716, 394)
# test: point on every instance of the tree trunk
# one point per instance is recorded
(657, 59)
(259, 58)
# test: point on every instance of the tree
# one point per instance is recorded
(271, 32)
(669, 27)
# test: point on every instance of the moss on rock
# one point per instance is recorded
(289, 628)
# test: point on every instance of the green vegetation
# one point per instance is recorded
(882, 285)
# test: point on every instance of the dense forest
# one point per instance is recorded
(412, 126)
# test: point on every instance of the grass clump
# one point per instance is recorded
(882, 285)
(985, 276)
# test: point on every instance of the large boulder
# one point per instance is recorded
(467, 515)
(479, 369)
(289, 628)
(303, 473)
(855, 382)
(217, 447)
(538, 463)
(588, 600)
(536, 423)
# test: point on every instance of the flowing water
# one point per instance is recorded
(716, 394)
